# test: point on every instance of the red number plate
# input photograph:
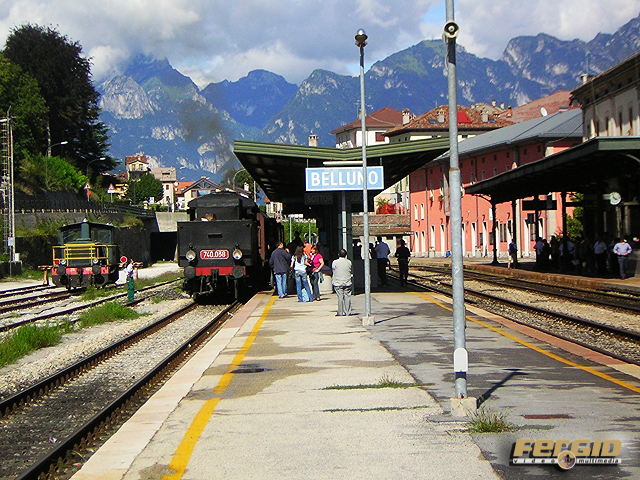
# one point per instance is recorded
(214, 254)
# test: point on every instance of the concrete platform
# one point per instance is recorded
(257, 402)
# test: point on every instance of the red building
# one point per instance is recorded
(481, 157)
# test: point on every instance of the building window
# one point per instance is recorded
(379, 137)
(539, 148)
(524, 152)
(483, 177)
(422, 211)
(495, 172)
(415, 211)
(472, 177)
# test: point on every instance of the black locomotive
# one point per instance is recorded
(87, 255)
(225, 246)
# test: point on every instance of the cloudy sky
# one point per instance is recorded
(214, 40)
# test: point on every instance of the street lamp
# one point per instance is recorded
(361, 42)
(46, 163)
(90, 162)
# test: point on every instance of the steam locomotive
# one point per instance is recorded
(86, 255)
(225, 245)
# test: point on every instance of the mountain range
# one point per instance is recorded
(153, 109)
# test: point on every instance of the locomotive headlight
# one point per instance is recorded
(95, 261)
(191, 255)
(237, 254)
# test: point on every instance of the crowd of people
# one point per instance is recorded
(299, 263)
(603, 257)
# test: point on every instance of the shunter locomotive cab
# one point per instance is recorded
(86, 255)
(223, 244)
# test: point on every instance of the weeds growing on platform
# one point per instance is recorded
(384, 382)
(487, 421)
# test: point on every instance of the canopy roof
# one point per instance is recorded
(280, 169)
(583, 168)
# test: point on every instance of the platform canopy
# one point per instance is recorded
(280, 169)
(584, 168)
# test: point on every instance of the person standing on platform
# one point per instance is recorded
(539, 247)
(513, 254)
(317, 262)
(357, 250)
(341, 280)
(299, 263)
(600, 251)
(622, 249)
(403, 254)
(382, 254)
(279, 262)
(131, 289)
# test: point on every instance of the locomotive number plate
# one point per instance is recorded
(214, 254)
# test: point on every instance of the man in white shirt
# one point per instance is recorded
(622, 249)
(382, 254)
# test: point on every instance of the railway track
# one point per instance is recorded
(8, 324)
(54, 423)
(627, 302)
(594, 330)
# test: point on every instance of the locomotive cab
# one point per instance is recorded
(223, 245)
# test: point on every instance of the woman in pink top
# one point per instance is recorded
(317, 262)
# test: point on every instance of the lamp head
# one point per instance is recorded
(361, 38)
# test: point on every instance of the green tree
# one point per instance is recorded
(147, 187)
(53, 174)
(64, 78)
(20, 95)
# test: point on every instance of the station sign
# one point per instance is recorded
(343, 178)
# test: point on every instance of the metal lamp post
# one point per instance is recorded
(361, 42)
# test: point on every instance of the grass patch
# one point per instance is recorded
(159, 299)
(92, 293)
(384, 382)
(27, 339)
(165, 277)
(487, 421)
(26, 275)
(107, 312)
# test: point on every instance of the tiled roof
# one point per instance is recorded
(135, 158)
(383, 118)
(556, 125)
(552, 104)
(438, 120)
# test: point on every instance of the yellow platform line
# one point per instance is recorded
(184, 451)
(558, 358)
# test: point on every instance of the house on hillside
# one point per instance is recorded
(168, 178)
(376, 124)
(136, 166)
(199, 188)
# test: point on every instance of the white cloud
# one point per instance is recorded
(212, 40)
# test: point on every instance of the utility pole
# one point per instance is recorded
(461, 405)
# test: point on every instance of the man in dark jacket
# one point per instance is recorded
(279, 262)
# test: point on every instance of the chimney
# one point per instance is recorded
(406, 116)
(440, 116)
(584, 78)
(313, 140)
(509, 111)
(501, 105)
(485, 116)
(494, 103)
